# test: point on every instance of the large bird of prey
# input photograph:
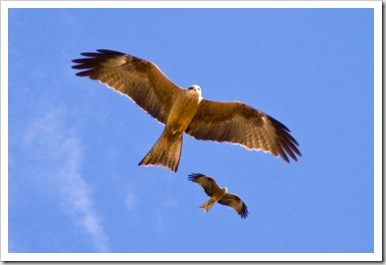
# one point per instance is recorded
(184, 110)
(218, 194)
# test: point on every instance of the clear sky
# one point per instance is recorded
(74, 144)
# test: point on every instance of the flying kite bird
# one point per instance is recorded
(184, 110)
(218, 194)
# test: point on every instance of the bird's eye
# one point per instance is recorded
(194, 88)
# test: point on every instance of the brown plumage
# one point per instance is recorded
(184, 110)
(218, 194)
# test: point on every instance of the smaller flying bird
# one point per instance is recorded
(218, 194)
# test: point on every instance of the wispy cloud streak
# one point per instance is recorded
(55, 146)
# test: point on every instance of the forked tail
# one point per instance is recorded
(166, 152)
(207, 205)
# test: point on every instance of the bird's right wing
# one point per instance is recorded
(207, 183)
(140, 80)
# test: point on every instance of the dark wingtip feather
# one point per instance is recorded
(244, 213)
(84, 73)
(193, 176)
(278, 123)
(287, 141)
(92, 61)
(106, 51)
(283, 154)
(77, 60)
(90, 54)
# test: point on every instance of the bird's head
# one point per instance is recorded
(225, 189)
(196, 89)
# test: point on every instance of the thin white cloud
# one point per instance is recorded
(131, 200)
(54, 145)
(167, 207)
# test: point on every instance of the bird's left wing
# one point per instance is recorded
(207, 183)
(238, 123)
(140, 80)
(236, 203)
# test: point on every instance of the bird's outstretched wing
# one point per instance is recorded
(238, 123)
(137, 78)
(236, 203)
(210, 186)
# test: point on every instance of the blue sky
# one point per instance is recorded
(74, 145)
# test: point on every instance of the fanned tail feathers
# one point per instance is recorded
(207, 205)
(166, 152)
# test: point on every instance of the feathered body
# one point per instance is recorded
(167, 151)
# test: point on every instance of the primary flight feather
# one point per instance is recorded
(184, 110)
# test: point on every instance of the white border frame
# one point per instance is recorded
(376, 256)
